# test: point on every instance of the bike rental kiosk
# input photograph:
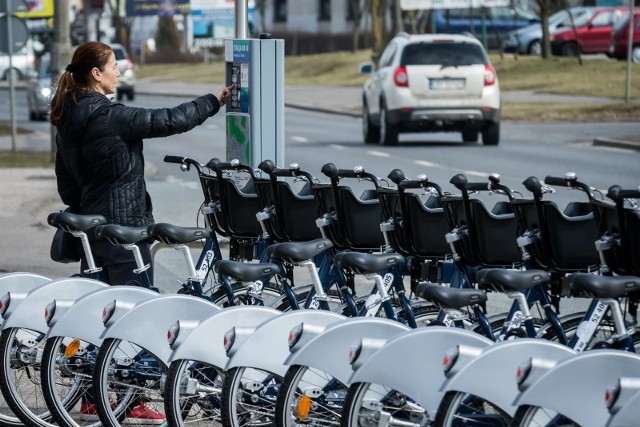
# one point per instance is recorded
(255, 112)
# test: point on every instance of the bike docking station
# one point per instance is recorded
(255, 113)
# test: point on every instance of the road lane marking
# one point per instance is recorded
(427, 164)
(337, 147)
(299, 139)
(378, 153)
(476, 173)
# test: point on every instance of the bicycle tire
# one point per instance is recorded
(355, 413)
(324, 411)
(202, 407)
(530, 416)
(458, 408)
(19, 381)
(66, 379)
(270, 293)
(603, 332)
(115, 390)
(243, 407)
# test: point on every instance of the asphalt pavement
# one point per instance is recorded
(27, 196)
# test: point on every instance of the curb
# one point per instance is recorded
(616, 143)
(286, 104)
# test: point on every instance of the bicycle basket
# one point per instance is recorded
(426, 226)
(297, 213)
(239, 208)
(360, 219)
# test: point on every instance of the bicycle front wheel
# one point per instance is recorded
(309, 396)
(126, 383)
(249, 397)
(463, 409)
(534, 416)
(192, 394)
(20, 377)
(67, 367)
(365, 403)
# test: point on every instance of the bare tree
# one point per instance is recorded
(358, 9)
(261, 6)
(379, 10)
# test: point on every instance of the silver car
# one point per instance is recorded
(127, 79)
(40, 90)
(22, 64)
(528, 40)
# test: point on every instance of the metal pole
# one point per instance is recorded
(242, 19)
(627, 90)
(12, 88)
(60, 52)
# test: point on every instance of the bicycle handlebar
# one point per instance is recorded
(183, 161)
(570, 181)
(617, 193)
(219, 166)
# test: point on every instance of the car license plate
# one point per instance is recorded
(446, 84)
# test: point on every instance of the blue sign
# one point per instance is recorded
(157, 7)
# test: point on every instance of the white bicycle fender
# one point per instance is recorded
(492, 375)
(578, 385)
(83, 320)
(30, 315)
(268, 347)
(338, 337)
(147, 323)
(411, 362)
(21, 281)
(204, 342)
(628, 414)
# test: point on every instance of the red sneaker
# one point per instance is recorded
(143, 415)
(88, 412)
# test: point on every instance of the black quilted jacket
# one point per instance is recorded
(106, 175)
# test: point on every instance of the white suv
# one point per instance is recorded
(432, 83)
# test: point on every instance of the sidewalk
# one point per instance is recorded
(29, 195)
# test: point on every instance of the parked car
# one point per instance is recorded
(39, 90)
(431, 83)
(528, 40)
(619, 45)
(498, 22)
(592, 33)
(127, 79)
(22, 63)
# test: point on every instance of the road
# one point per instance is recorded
(313, 139)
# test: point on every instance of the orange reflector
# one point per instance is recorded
(304, 407)
(72, 349)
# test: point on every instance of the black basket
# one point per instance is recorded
(296, 213)
(630, 240)
(239, 208)
(569, 239)
(426, 226)
(491, 235)
(359, 219)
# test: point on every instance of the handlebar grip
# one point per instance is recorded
(267, 166)
(554, 180)
(174, 159)
(618, 193)
(347, 173)
(396, 176)
(281, 172)
(533, 185)
(478, 186)
(410, 183)
(218, 165)
(459, 181)
(329, 169)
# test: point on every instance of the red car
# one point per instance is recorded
(592, 34)
(620, 39)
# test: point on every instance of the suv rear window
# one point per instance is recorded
(118, 53)
(449, 53)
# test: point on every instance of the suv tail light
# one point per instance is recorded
(400, 77)
(489, 75)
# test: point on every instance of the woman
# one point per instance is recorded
(99, 160)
